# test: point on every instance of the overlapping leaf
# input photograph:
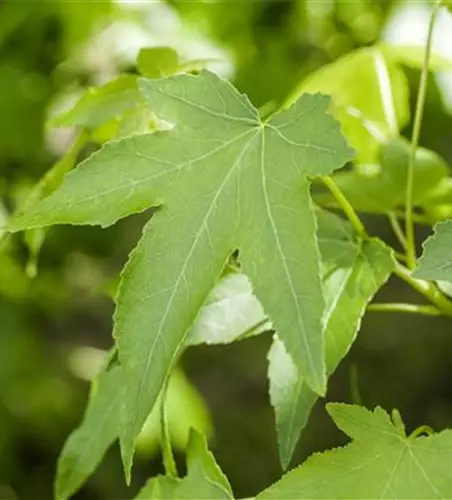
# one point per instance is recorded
(381, 462)
(87, 445)
(224, 180)
(436, 260)
(371, 98)
(204, 479)
(352, 274)
(382, 188)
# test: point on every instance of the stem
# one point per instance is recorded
(405, 308)
(397, 228)
(423, 429)
(428, 290)
(346, 206)
(420, 104)
(168, 457)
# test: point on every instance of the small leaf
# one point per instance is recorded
(204, 479)
(98, 105)
(351, 279)
(155, 62)
(224, 180)
(85, 447)
(436, 260)
(380, 462)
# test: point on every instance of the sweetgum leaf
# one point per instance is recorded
(204, 479)
(436, 262)
(86, 446)
(380, 462)
(224, 180)
(350, 281)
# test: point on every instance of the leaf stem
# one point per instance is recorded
(423, 429)
(405, 308)
(397, 228)
(420, 104)
(428, 290)
(346, 206)
(168, 457)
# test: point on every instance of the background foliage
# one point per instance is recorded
(55, 327)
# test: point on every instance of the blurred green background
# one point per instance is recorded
(55, 327)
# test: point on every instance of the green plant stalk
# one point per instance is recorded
(346, 206)
(396, 227)
(426, 310)
(428, 290)
(167, 452)
(420, 104)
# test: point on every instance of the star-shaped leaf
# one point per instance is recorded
(381, 462)
(223, 179)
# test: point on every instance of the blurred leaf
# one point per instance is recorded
(204, 479)
(436, 260)
(156, 62)
(185, 409)
(86, 446)
(382, 189)
(370, 96)
(413, 56)
(380, 462)
(99, 105)
(349, 285)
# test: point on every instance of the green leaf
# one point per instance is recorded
(224, 180)
(436, 262)
(204, 479)
(370, 95)
(380, 462)
(155, 62)
(350, 280)
(99, 105)
(85, 447)
(413, 57)
(185, 408)
(380, 189)
(232, 312)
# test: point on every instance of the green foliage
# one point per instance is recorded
(245, 150)
(86, 446)
(239, 243)
(435, 263)
(381, 462)
(382, 189)
(204, 479)
(353, 272)
(157, 62)
(370, 95)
